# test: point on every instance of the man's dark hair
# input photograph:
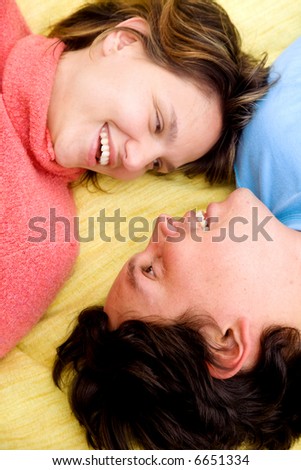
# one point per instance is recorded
(145, 385)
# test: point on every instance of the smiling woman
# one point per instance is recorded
(123, 114)
(152, 64)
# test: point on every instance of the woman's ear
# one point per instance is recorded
(231, 350)
(116, 40)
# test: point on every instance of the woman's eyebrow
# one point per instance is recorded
(172, 134)
(173, 126)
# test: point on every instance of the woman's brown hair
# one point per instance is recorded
(196, 40)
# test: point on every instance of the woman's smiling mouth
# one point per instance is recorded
(103, 152)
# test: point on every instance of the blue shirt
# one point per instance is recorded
(268, 160)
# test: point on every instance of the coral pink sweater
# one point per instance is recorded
(38, 242)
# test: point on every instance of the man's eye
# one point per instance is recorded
(149, 270)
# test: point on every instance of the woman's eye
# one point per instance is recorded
(158, 124)
(156, 164)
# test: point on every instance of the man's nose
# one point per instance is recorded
(168, 229)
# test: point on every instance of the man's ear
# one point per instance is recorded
(116, 40)
(230, 350)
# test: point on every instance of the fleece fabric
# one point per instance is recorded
(38, 237)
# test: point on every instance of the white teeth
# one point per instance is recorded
(202, 221)
(104, 148)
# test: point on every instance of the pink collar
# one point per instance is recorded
(27, 83)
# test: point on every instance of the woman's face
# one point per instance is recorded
(144, 116)
(222, 272)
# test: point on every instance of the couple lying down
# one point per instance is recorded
(180, 331)
(198, 343)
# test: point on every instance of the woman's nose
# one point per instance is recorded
(139, 157)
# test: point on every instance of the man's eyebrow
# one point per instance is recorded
(131, 275)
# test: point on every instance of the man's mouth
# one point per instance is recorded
(202, 220)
